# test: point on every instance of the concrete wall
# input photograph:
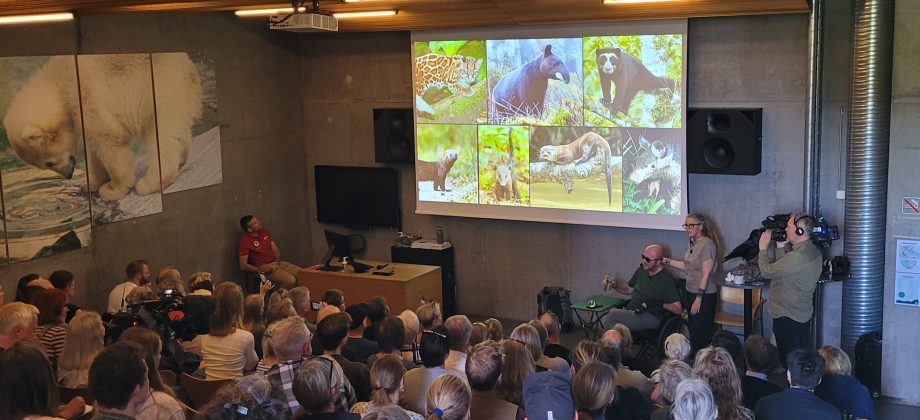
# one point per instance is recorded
(900, 329)
(501, 265)
(258, 75)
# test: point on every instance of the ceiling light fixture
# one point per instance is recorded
(267, 12)
(51, 17)
(348, 15)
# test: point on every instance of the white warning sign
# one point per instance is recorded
(910, 205)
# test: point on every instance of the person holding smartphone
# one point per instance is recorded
(698, 264)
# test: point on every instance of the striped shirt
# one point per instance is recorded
(52, 338)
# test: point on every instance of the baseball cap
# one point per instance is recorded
(548, 396)
(357, 315)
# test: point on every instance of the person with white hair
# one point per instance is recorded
(17, 321)
(673, 372)
(676, 347)
(459, 329)
(693, 401)
(291, 342)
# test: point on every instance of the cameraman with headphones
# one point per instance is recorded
(795, 276)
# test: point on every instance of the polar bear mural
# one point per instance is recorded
(115, 96)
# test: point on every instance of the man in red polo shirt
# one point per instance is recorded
(259, 254)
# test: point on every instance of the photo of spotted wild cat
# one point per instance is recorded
(447, 79)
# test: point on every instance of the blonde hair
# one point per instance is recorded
(594, 387)
(312, 386)
(279, 310)
(709, 231)
(480, 333)
(528, 335)
(671, 374)
(836, 361)
(385, 412)
(140, 294)
(448, 394)
(386, 375)
(252, 311)
(228, 316)
(496, 332)
(625, 340)
(83, 341)
(428, 314)
(410, 322)
(518, 364)
(715, 366)
(268, 350)
(586, 352)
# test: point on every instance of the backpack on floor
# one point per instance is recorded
(558, 300)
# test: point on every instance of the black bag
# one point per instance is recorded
(869, 362)
(558, 300)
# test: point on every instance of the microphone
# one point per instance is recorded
(691, 246)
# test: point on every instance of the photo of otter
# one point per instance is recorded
(633, 81)
(445, 166)
(652, 171)
(449, 82)
(504, 171)
(576, 168)
(42, 161)
(535, 82)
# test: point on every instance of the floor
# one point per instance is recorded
(885, 408)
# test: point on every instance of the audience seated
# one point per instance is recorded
(625, 377)
(548, 396)
(377, 310)
(21, 287)
(169, 278)
(138, 272)
(51, 331)
(517, 366)
(730, 342)
(252, 397)
(798, 402)
(632, 363)
(269, 358)
(118, 381)
(300, 299)
(496, 332)
(281, 309)
(84, 341)
(554, 347)
(29, 388)
(630, 402)
(200, 284)
(754, 383)
(389, 412)
(593, 389)
(391, 335)
(334, 297)
(160, 403)
(140, 294)
(333, 333)
(200, 303)
(290, 340)
(840, 389)
(17, 321)
(387, 381)
(318, 386)
(227, 350)
(459, 329)
(672, 373)
(479, 334)
(448, 399)
(410, 346)
(64, 281)
(434, 348)
(483, 369)
(360, 346)
(676, 347)
(715, 366)
(533, 335)
(693, 401)
(252, 320)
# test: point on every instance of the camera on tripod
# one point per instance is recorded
(153, 314)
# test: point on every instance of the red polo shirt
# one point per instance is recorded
(259, 249)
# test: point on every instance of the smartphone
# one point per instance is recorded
(314, 305)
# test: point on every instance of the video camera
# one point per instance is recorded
(822, 235)
(164, 315)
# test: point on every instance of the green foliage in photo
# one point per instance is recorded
(494, 150)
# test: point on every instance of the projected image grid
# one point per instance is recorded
(588, 123)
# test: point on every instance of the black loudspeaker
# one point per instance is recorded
(724, 141)
(394, 134)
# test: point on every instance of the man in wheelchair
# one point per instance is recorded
(653, 293)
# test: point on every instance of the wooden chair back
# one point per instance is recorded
(200, 391)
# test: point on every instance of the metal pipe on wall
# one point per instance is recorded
(812, 188)
(867, 169)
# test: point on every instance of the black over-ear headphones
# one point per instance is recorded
(799, 231)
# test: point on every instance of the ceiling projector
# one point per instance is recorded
(304, 22)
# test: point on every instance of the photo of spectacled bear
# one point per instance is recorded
(535, 82)
(633, 81)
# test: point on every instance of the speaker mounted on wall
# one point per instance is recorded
(724, 140)
(394, 134)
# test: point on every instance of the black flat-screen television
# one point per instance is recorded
(357, 197)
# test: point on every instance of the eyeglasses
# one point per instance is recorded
(435, 333)
(690, 225)
(648, 260)
(551, 313)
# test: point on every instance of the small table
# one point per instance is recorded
(603, 304)
(748, 286)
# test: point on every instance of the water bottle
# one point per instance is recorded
(440, 235)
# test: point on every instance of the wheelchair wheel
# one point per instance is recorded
(673, 325)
